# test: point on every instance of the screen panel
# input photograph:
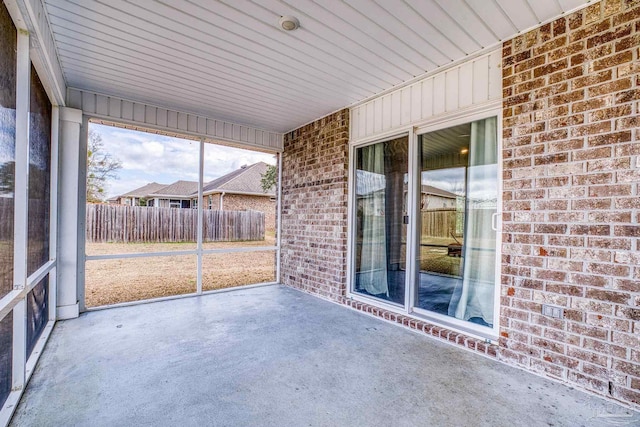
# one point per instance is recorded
(8, 47)
(39, 175)
(37, 313)
(6, 352)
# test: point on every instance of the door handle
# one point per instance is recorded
(494, 221)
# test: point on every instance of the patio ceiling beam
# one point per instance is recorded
(172, 122)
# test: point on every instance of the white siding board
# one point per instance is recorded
(362, 123)
(161, 118)
(377, 115)
(495, 75)
(396, 109)
(127, 110)
(439, 94)
(115, 108)
(102, 105)
(452, 89)
(89, 101)
(416, 102)
(150, 115)
(139, 115)
(370, 117)
(192, 123)
(386, 113)
(427, 99)
(481, 80)
(405, 111)
(183, 123)
(462, 87)
(465, 85)
(170, 122)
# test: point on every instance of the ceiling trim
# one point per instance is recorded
(141, 116)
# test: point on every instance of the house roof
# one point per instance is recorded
(178, 189)
(244, 180)
(427, 189)
(144, 191)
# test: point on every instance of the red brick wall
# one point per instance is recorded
(240, 202)
(571, 199)
(314, 206)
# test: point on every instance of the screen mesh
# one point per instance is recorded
(37, 313)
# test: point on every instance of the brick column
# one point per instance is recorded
(571, 199)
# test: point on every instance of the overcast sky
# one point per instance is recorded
(149, 158)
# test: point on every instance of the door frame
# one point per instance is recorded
(408, 309)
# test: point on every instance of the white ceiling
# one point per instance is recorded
(228, 59)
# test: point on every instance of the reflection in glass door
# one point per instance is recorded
(380, 229)
(456, 236)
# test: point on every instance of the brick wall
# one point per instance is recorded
(240, 202)
(571, 199)
(314, 206)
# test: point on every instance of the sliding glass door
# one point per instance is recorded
(456, 262)
(455, 203)
(380, 229)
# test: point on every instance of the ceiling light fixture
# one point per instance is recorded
(289, 23)
(464, 151)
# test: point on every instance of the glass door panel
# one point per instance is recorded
(457, 240)
(380, 229)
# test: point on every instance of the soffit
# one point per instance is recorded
(228, 59)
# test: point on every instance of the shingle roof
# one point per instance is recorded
(145, 190)
(427, 189)
(178, 188)
(244, 180)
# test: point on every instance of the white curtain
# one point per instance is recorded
(371, 197)
(478, 285)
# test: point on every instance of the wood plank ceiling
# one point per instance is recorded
(229, 59)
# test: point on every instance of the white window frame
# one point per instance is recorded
(450, 120)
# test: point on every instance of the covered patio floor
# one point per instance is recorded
(273, 356)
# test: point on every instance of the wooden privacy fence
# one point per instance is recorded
(138, 224)
(439, 222)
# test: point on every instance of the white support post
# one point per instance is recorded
(21, 205)
(279, 215)
(200, 215)
(53, 209)
(67, 245)
(82, 211)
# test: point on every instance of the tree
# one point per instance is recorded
(268, 180)
(101, 166)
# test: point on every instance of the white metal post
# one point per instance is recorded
(200, 214)
(53, 210)
(279, 213)
(21, 204)
(67, 251)
(82, 211)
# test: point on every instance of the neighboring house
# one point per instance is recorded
(436, 198)
(132, 198)
(241, 190)
(176, 195)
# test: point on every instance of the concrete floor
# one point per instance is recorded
(273, 356)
